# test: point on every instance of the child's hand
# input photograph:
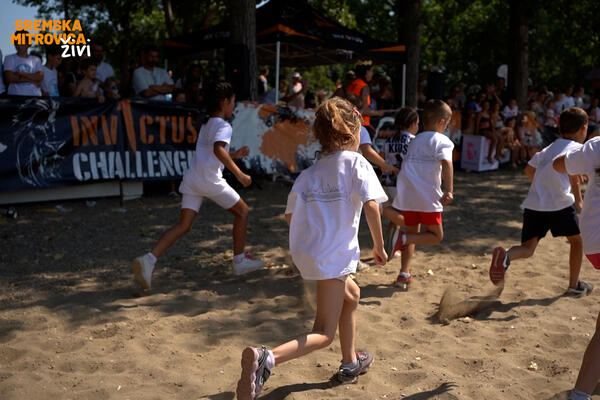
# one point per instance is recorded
(447, 198)
(240, 153)
(379, 255)
(390, 168)
(579, 206)
(245, 180)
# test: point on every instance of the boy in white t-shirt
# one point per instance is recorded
(406, 124)
(204, 179)
(586, 160)
(22, 72)
(551, 204)
(419, 198)
(50, 82)
(323, 211)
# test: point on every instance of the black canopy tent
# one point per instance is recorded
(294, 34)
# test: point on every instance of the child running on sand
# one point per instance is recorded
(586, 160)
(323, 212)
(204, 179)
(419, 194)
(551, 204)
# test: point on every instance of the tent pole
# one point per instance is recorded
(277, 47)
(403, 85)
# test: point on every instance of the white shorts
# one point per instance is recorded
(227, 198)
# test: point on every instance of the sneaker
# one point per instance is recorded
(390, 241)
(402, 281)
(401, 237)
(247, 264)
(499, 265)
(583, 289)
(254, 373)
(361, 266)
(350, 375)
(142, 271)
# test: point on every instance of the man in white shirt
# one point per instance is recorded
(50, 81)
(551, 204)
(103, 70)
(22, 72)
(150, 81)
(296, 89)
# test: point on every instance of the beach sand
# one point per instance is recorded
(73, 327)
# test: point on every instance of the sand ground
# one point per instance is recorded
(72, 327)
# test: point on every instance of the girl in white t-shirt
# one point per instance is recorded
(204, 179)
(586, 160)
(323, 212)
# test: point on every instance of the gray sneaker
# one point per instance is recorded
(254, 373)
(390, 241)
(142, 271)
(583, 289)
(350, 375)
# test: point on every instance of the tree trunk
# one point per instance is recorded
(518, 52)
(168, 9)
(410, 26)
(242, 50)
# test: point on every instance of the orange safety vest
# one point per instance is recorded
(355, 87)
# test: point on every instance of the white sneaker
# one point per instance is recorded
(142, 271)
(247, 264)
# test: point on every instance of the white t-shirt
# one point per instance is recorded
(364, 136)
(297, 101)
(419, 181)
(508, 112)
(205, 175)
(104, 71)
(143, 79)
(50, 82)
(394, 150)
(31, 64)
(550, 190)
(586, 160)
(326, 202)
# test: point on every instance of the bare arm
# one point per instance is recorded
(20, 76)
(529, 171)
(576, 190)
(448, 179)
(150, 92)
(223, 156)
(288, 218)
(374, 221)
(371, 155)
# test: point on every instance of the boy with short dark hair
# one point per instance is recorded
(551, 204)
(50, 82)
(427, 163)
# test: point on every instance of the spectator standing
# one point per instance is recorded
(149, 81)
(360, 88)
(22, 72)
(103, 70)
(89, 86)
(296, 89)
(50, 82)
(263, 83)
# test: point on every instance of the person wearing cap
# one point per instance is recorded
(296, 89)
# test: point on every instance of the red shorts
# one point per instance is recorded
(412, 218)
(594, 259)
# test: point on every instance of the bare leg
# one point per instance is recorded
(330, 301)
(408, 252)
(347, 323)
(175, 232)
(575, 258)
(393, 215)
(433, 235)
(589, 373)
(240, 224)
(525, 250)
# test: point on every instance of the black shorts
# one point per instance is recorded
(561, 223)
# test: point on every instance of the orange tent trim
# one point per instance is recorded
(392, 48)
(285, 29)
